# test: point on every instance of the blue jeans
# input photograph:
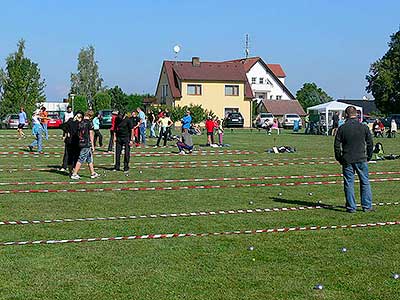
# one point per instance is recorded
(142, 129)
(38, 141)
(361, 168)
(45, 130)
(152, 130)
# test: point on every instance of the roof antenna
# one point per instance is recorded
(177, 49)
(247, 46)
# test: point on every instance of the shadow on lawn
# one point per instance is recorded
(308, 203)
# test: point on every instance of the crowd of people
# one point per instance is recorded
(82, 135)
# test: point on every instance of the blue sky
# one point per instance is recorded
(331, 43)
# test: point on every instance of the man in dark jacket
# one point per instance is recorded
(124, 139)
(353, 149)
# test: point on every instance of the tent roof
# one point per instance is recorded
(332, 106)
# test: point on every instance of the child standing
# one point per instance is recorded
(210, 125)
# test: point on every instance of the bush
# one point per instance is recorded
(80, 103)
(198, 113)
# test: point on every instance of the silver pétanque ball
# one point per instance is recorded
(396, 276)
(318, 287)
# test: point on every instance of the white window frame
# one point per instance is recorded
(198, 89)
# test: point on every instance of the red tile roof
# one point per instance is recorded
(248, 63)
(207, 71)
(277, 70)
(281, 107)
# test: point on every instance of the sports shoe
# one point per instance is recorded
(94, 175)
(182, 152)
(371, 209)
(75, 177)
(351, 211)
(62, 169)
(30, 148)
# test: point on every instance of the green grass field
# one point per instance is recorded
(284, 265)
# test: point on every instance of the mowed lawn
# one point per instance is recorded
(282, 265)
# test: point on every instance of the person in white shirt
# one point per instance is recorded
(68, 114)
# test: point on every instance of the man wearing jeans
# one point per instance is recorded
(353, 149)
(142, 125)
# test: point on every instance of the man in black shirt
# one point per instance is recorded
(335, 121)
(123, 139)
(136, 133)
(353, 149)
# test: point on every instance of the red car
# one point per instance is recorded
(54, 120)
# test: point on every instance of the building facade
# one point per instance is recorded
(219, 87)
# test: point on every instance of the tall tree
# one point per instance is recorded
(20, 83)
(87, 81)
(384, 78)
(310, 94)
(119, 100)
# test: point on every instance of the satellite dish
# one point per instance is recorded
(177, 49)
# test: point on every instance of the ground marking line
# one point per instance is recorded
(194, 187)
(183, 180)
(188, 166)
(184, 214)
(207, 234)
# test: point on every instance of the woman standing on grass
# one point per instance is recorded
(71, 142)
(165, 125)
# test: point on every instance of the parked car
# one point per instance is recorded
(262, 119)
(288, 120)
(386, 121)
(11, 121)
(105, 120)
(55, 120)
(234, 119)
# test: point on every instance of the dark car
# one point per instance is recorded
(234, 119)
(105, 120)
(386, 121)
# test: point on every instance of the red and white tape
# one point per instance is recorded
(185, 180)
(207, 234)
(137, 154)
(185, 214)
(190, 187)
(187, 166)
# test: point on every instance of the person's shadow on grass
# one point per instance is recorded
(307, 203)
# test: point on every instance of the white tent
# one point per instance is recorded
(333, 106)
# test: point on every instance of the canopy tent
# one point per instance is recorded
(333, 106)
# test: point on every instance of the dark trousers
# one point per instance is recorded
(122, 143)
(71, 155)
(97, 134)
(163, 134)
(111, 142)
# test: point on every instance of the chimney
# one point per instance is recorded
(196, 61)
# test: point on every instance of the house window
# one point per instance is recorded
(194, 89)
(231, 90)
(278, 97)
(253, 80)
(164, 91)
(261, 80)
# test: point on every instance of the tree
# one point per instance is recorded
(310, 94)
(101, 100)
(87, 81)
(20, 83)
(80, 103)
(119, 99)
(134, 101)
(384, 78)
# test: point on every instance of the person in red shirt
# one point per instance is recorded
(210, 125)
(112, 131)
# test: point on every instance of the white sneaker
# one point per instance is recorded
(75, 177)
(62, 170)
(94, 175)
(182, 152)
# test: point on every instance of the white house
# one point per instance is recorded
(267, 80)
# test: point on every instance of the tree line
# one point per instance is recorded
(21, 84)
